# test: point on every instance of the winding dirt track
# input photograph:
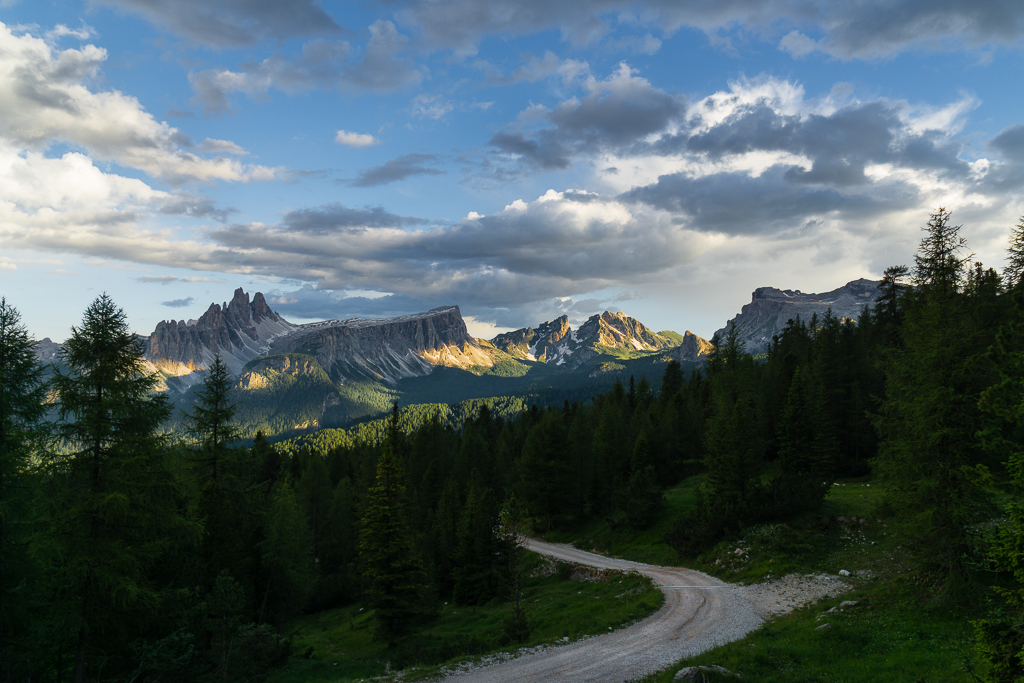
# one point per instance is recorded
(699, 613)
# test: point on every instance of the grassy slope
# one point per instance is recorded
(895, 632)
(342, 648)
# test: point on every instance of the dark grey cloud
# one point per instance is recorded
(738, 204)
(336, 217)
(866, 29)
(840, 145)
(184, 204)
(614, 114)
(1006, 178)
(758, 128)
(179, 303)
(544, 151)
(333, 64)
(558, 245)
(617, 112)
(1010, 143)
(399, 168)
(233, 23)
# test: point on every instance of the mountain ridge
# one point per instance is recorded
(770, 308)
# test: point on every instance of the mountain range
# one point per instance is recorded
(770, 309)
(304, 376)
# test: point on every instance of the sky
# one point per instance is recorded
(523, 159)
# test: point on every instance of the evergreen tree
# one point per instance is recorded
(642, 496)
(285, 558)
(1013, 273)
(512, 536)
(114, 509)
(544, 468)
(671, 381)
(475, 578)
(209, 422)
(940, 263)
(929, 417)
(22, 396)
(804, 450)
(392, 572)
(445, 538)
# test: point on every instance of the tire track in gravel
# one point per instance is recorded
(700, 612)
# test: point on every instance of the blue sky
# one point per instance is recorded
(519, 158)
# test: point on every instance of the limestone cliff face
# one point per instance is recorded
(389, 349)
(239, 331)
(769, 310)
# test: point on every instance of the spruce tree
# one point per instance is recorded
(475, 577)
(1000, 636)
(113, 510)
(286, 566)
(22, 396)
(929, 417)
(391, 568)
(209, 422)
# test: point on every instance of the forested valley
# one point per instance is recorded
(128, 553)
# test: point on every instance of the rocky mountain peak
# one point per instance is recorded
(556, 342)
(238, 330)
(770, 308)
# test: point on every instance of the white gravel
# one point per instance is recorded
(700, 612)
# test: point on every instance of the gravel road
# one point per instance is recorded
(700, 612)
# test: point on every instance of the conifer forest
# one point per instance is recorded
(130, 552)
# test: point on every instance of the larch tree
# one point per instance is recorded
(22, 398)
(113, 509)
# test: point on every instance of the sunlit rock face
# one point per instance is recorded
(534, 344)
(693, 349)
(389, 349)
(770, 309)
(556, 342)
(238, 330)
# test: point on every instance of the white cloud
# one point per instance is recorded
(799, 45)
(45, 99)
(357, 140)
(60, 30)
(430, 107)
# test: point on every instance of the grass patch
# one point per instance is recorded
(889, 635)
(896, 632)
(845, 533)
(338, 645)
